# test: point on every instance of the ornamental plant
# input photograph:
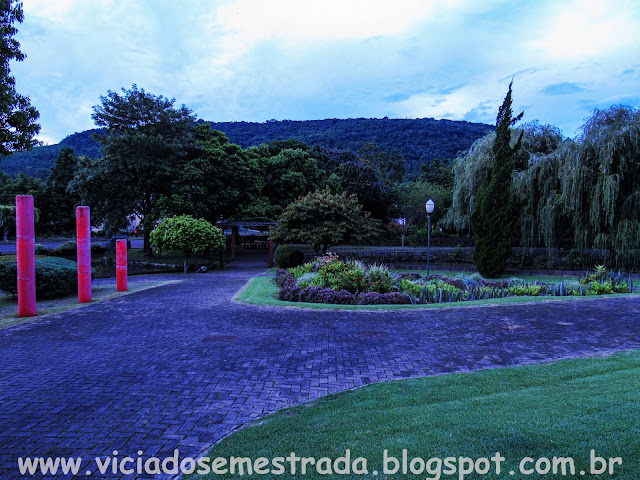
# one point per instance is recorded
(321, 219)
(340, 275)
(186, 235)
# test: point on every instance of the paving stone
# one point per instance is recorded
(182, 366)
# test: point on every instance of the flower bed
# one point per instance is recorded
(330, 280)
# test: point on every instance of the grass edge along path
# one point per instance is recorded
(101, 292)
(560, 409)
(261, 290)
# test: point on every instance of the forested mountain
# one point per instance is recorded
(417, 140)
(39, 161)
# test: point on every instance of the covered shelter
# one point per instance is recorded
(252, 234)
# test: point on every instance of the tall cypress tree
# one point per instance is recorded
(493, 219)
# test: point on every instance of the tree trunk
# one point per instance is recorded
(147, 243)
(186, 263)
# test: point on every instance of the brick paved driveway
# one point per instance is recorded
(180, 366)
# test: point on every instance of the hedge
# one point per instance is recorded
(55, 277)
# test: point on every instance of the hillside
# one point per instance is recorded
(38, 162)
(417, 140)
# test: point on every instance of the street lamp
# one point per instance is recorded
(430, 205)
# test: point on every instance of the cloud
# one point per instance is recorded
(564, 88)
(588, 28)
(301, 59)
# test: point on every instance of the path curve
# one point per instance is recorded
(181, 366)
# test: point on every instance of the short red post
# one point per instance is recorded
(83, 227)
(26, 253)
(270, 253)
(121, 265)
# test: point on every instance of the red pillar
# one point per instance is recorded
(234, 237)
(26, 253)
(270, 253)
(121, 265)
(83, 227)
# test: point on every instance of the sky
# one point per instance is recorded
(255, 60)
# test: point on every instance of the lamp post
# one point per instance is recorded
(430, 205)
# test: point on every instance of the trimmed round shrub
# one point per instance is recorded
(42, 250)
(55, 277)
(67, 249)
(286, 257)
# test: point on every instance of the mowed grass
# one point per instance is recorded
(263, 291)
(562, 409)
(9, 304)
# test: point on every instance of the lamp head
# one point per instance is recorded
(430, 205)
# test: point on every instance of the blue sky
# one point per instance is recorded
(256, 60)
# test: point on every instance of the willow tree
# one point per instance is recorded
(469, 172)
(537, 187)
(601, 181)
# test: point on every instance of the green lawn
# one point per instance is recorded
(562, 409)
(263, 291)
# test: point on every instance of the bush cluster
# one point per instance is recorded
(67, 249)
(287, 257)
(55, 277)
(328, 279)
(291, 291)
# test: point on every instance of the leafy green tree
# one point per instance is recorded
(438, 171)
(8, 219)
(22, 185)
(218, 180)
(322, 219)
(60, 213)
(408, 207)
(18, 126)
(145, 147)
(187, 235)
(364, 180)
(286, 176)
(391, 165)
(494, 218)
(600, 186)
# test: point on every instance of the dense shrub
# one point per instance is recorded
(67, 249)
(339, 275)
(329, 280)
(379, 279)
(55, 277)
(42, 250)
(302, 269)
(287, 257)
(391, 298)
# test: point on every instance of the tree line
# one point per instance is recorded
(158, 161)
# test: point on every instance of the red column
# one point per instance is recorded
(270, 253)
(26, 253)
(121, 265)
(83, 227)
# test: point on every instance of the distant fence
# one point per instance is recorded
(460, 257)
